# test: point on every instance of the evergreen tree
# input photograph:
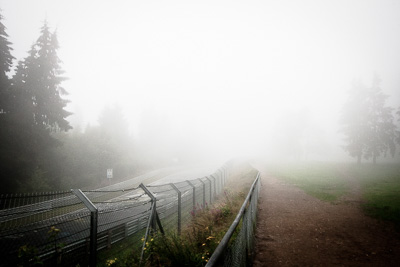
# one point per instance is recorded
(7, 140)
(381, 132)
(36, 109)
(354, 121)
(43, 79)
(368, 123)
(6, 60)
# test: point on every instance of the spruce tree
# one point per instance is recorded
(368, 123)
(36, 109)
(6, 61)
(43, 79)
(381, 132)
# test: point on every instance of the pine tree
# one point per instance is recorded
(381, 132)
(6, 61)
(354, 121)
(36, 108)
(368, 123)
(43, 80)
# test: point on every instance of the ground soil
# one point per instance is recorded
(295, 229)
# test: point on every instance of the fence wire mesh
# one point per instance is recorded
(55, 228)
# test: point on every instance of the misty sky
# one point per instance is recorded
(225, 70)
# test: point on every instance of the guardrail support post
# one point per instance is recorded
(215, 191)
(194, 194)
(210, 188)
(154, 214)
(179, 207)
(94, 214)
(204, 193)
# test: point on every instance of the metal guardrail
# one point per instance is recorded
(58, 228)
(240, 251)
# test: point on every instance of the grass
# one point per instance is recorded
(318, 179)
(381, 190)
(379, 184)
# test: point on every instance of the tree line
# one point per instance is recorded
(38, 149)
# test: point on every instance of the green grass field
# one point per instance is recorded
(379, 184)
(381, 190)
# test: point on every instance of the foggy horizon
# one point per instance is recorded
(226, 78)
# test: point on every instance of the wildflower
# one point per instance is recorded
(210, 237)
(151, 240)
(53, 229)
(142, 239)
(202, 258)
(144, 248)
(111, 262)
(204, 244)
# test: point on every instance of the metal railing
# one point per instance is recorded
(68, 228)
(239, 252)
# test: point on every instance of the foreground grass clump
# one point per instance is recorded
(201, 235)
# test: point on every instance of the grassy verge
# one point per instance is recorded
(379, 184)
(319, 180)
(381, 190)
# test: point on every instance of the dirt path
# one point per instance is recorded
(295, 229)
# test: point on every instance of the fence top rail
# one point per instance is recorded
(215, 257)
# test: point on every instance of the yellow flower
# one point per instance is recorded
(151, 240)
(202, 257)
(204, 244)
(144, 249)
(210, 237)
(142, 239)
(53, 229)
(111, 262)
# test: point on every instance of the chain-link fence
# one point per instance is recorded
(68, 228)
(238, 251)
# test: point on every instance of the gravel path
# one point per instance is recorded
(295, 229)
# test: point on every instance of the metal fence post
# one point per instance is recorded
(210, 188)
(93, 225)
(215, 191)
(194, 194)
(179, 207)
(154, 210)
(204, 193)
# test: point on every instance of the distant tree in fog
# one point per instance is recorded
(367, 122)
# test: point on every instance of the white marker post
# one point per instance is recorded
(109, 175)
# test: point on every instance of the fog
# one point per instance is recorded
(218, 79)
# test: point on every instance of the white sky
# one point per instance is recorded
(223, 68)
